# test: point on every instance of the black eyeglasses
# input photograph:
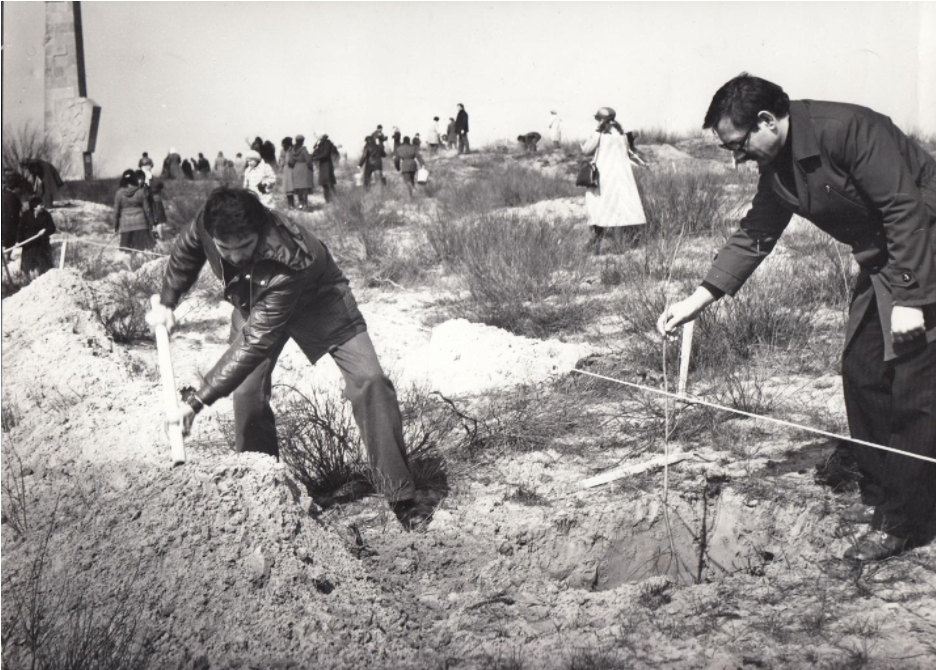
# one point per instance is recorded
(738, 145)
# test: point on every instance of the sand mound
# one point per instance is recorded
(470, 358)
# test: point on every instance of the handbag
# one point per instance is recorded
(588, 171)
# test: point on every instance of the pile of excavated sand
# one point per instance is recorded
(467, 358)
(218, 559)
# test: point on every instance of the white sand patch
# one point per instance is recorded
(467, 358)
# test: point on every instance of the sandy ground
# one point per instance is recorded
(226, 562)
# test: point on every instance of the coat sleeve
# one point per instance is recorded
(756, 237)
(872, 157)
(591, 144)
(118, 206)
(148, 211)
(265, 328)
(268, 177)
(185, 262)
(48, 223)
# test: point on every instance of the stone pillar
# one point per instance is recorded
(71, 118)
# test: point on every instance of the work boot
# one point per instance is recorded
(858, 513)
(412, 513)
(875, 545)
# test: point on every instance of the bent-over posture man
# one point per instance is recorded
(284, 284)
(855, 175)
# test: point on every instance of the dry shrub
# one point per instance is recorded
(15, 504)
(120, 302)
(498, 185)
(50, 623)
(527, 418)
(31, 141)
(524, 275)
(101, 191)
(685, 202)
(320, 442)
(366, 216)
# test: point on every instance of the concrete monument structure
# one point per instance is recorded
(71, 118)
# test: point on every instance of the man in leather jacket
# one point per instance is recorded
(284, 284)
(855, 175)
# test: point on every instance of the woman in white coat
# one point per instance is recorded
(259, 178)
(615, 202)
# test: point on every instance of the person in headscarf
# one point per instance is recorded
(410, 161)
(36, 256)
(133, 214)
(300, 163)
(616, 202)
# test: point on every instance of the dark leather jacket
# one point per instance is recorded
(291, 279)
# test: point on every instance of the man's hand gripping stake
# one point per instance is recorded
(160, 319)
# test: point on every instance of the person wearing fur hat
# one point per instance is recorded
(259, 178)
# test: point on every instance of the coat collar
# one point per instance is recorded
(805, 145)
(804, 150)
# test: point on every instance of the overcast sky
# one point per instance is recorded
(202, 76)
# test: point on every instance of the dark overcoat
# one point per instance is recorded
(300, 163)
(860, 179)
(324, 154)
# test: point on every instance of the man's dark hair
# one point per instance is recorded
(34, 202)
(742, 98)
(232, 212)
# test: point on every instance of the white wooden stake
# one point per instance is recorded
(62, 255)
(170, 397)
(684, 354)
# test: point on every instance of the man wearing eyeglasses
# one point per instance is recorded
(855, 175)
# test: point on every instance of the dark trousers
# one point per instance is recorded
(369, 173)
(329, 191)
(371, 394)
(892, 403)
(463, 147)
(409, 178)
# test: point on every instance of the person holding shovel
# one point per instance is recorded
(284, 284)
(855, 175)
